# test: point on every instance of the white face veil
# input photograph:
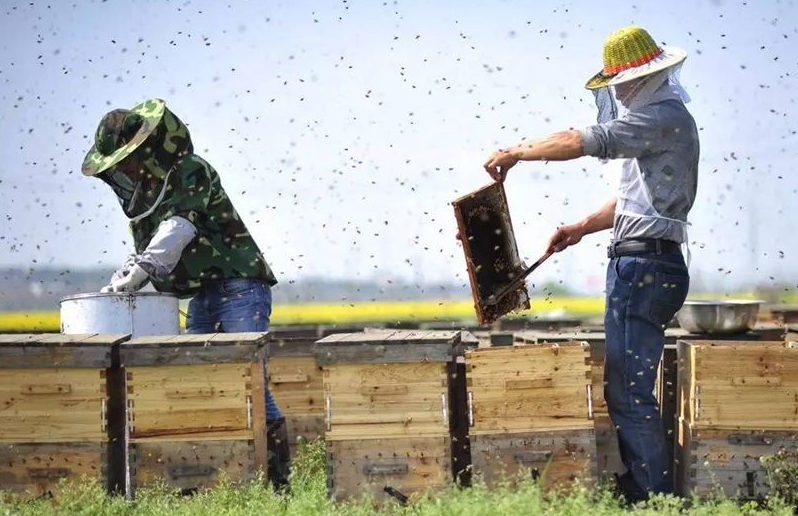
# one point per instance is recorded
(614, 101)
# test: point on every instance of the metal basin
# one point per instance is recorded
(137, 313)
(718, 316)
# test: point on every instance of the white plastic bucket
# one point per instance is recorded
(137, 313)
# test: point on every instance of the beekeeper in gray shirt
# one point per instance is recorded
(654, 135)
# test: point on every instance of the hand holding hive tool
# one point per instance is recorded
(516, 282)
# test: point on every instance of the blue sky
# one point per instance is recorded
(342, 130)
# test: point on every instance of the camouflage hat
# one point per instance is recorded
(120, 133)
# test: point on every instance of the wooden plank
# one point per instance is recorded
(294, 331)
(37, 470)
(51, 405)
(564, 335)
(188, 353)
(296, 397)
(61, 339)
(366, 353)
(191, 465)
(239, 338)
(227, 407)
(527, 387)
(728, 459)
(405, 418)
(39, 351)
(409, 465)
(494, 426)
(291, 347)
(332, 338)
(398, 337)
(156, 340)
(557, 458)
(724, 384)
(685, 385)
(20, 338)
(257, 408)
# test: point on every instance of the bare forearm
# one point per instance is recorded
(560, 146)
(601, 219)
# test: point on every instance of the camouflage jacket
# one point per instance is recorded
(222, 249)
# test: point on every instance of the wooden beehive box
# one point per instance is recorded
(531, 407)
(195, 408)
(392, 405)
(709, 460)
(608, 457)
(62, 414)
(596, 342)
(784, 314)
(295, 381)
(743, 385)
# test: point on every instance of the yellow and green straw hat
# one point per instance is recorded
(631, 53)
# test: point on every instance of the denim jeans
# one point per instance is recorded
(643, 294)
(233, 305)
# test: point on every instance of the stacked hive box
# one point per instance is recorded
(529, 407)
(738, 401)
(296, 384)
(608, 458)
(195, 408)
(536, 323)
(392, 403)
(59, 417)
(781, 314)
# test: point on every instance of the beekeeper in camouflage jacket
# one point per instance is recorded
(188, 237)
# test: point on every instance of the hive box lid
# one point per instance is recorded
(58, 350)
(564, 335)
(207, 348)
(290, 346)
(390, 347)
(486, 232)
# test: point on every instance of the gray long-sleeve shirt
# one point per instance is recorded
(663, 139)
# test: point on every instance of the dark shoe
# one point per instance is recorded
(279, 460)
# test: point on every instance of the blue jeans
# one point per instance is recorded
(643, 294)
(230, 306)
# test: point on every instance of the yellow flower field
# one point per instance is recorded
(344, 312)
(377, 311)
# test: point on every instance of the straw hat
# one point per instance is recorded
(631, 53)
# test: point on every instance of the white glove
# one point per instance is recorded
(134, 280)
(124, 270)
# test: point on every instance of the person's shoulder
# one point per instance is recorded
(671, 108)
(670, 112)
(192, 163)
(191, 168)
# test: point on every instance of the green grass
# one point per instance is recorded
(309, 498)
